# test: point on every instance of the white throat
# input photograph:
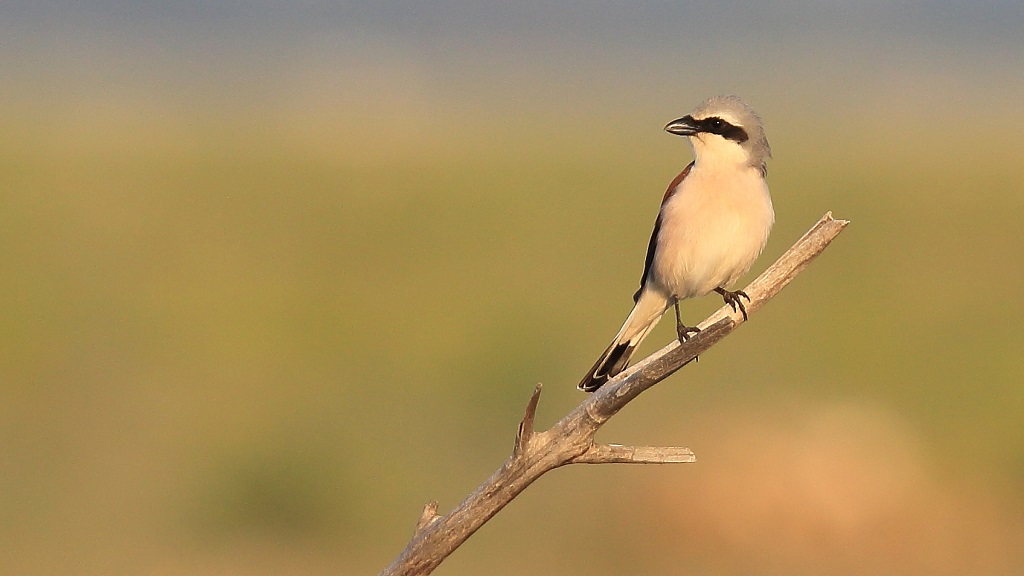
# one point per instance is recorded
(711, 151)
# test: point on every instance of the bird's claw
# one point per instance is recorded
(733, 299)
(683, 332)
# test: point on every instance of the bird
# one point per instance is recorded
(713, 223)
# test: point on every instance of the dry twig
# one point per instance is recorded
(571, 439)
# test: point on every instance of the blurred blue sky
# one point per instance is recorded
(599, 46)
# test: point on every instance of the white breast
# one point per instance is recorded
(712, 230)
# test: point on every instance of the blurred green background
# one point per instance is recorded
(274, 275)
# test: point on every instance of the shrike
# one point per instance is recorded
(713, 223)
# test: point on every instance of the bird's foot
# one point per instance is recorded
(733, 299)
(684, 332)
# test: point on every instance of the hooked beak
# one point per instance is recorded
(685, 126)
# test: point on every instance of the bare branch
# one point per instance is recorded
(617, 454)
(428, 517)
(571, 439)
(525, 434)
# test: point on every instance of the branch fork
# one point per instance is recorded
(597, 453)
(571, 439)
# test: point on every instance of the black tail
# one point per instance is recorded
(612, 362)
(650, 305)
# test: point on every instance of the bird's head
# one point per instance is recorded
(725, 130)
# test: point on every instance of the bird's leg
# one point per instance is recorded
(733, 299)
(682, 330)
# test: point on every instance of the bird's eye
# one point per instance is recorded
(716, 124)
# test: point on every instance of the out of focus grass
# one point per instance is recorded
(236, 342)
